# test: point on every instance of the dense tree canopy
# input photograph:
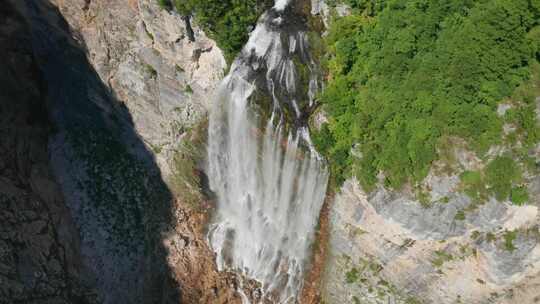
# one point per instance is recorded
(405, 73)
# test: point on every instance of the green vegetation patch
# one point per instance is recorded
(519, 195)
(500, 179)
(441, 257)
(226, 21)
(150, 70)
(404, 74)
(186, 177)
(460, 215)
(474, 185)
(501, 174)
(351, 276)
(509, 237)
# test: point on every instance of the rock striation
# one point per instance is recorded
(389, 246)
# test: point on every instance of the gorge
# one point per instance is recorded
(261, 151)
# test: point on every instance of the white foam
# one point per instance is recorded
(269, 189)
(281, 4)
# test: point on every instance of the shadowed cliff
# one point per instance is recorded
(109, 207)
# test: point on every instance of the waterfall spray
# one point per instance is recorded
(269, 181)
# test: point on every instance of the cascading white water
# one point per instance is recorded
(269, 182)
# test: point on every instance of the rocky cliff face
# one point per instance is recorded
(390, 247)
(387, 246)
(102, 127)
(39, 255)
(145, 56)
(125, 90)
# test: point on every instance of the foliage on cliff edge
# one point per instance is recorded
(226, 21)
(403, 75)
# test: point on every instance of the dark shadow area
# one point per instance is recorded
(110, 183)
(38, 256)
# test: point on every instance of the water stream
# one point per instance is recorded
(269, 181)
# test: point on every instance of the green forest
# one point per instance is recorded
(403, 76)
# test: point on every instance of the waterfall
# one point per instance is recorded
(269, 182)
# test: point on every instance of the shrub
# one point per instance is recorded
(351, 276)
(509, 237)
(519, 195)
(460, 215)
(165, 4)
(501, 173)
(150, 70)
(441, 257)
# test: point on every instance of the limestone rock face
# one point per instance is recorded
(390, 246)
(387, 247)
(143, 53)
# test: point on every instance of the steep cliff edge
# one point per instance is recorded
(145, 56)
(386, 245)
(448, 238)
(102, 138)
(124, 151)
(40, 260)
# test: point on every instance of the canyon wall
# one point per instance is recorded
(124, 93)
(103, 126)
(40, 259)
(390, 246)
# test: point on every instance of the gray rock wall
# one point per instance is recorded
(443, 249)
(145, 56)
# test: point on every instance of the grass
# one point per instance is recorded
(509, 237)
(501, 174)
(519, 195)
(351, 276)
(499, 179)
(441, 257)
(474, 185)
